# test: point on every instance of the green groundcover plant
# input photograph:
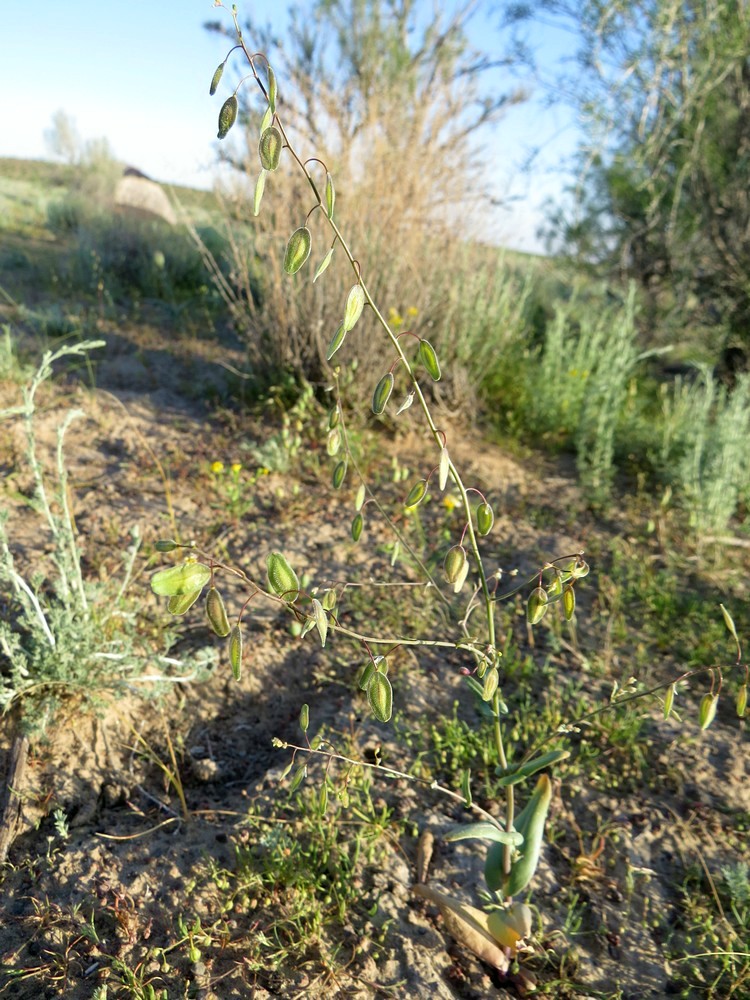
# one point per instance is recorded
(501, 923)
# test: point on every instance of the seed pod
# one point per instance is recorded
(429, 359)
(336, 341)
(282, 579)
(569, 602)
(227, 115)
(485, 518)
(741, 701)
(297, 778)
(416, 494)
(455, 561)
(330, 196)
(339, 474)
(669, 700)
(466, 786)
(357, 525)
(272, 90)
(367, 671)
(260, 186)
(181, 603)
(321, 620)
(269, 148)
(235, 651)
(380, 696)
(333, 442)
(185, 579)
(555, 587)
(491, 680)
(382, 393)
(216, 78)
(304, 718)
(166, 545)
(536, 607)
(360, 497)
(707, 713)
(355, 303)
(297, 250)
(323, 265)
(443, 468)
(323, 798)
(265, 121)
(579, 569)
(329, 599)
(217, 613)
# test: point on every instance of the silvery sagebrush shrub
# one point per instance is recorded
(409, 363)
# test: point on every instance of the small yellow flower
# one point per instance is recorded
(395, 318)
(412, 311)
(217, 468)
(236, 468)
(450, 503)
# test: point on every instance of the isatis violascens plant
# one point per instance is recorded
(515, 836)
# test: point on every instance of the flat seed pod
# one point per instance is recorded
(297, 778)
(333, 442)
(536, 606)
(580, 569)
(360, 497)
(322, 266)
(260, 186)
(297, 250)
(357, 525)
(729, 622)
(555, 588)
(329, 599)
(380, 696)
(185, 579)
(466, 786)
(304, 718)
(355, 303)
(166, 545)
(227, 116)
(707, 714)
(282, 579)
(217, 613)
(321, 620)
(265, 121)
(330, 196)
(235, 651)
(669, 700)
(491, 679)
(269, 148)
(416, 494)
(485, 518)
(182, 603)
(741, 704)
(382, 393)
(336, 341)
(334, 416)
(216, 79)
(367, 671)
(443, 468)
(272, 90)
(339, 474)
(569, 602)
(429, 359)
(455, 561)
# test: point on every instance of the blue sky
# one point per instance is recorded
(137, 73)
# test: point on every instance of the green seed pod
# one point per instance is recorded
(382, 393)
(536, 607)
(330, 196)
(181, 603)
(707, 713)
(357, 525)
(336, 341)
(329, 599)
(555, 587)
(339, 474)
(323, 805)
(227, 115)
(166, 545)
(491, 680)
(334, 416)
(741, 701)
(579, 569)
(297, 250)
(355, 303)
(367, 671)
(216, 78)
(333, 442)
(217, 613)
(260, 186)
(304, 718)
(265, 121)
(297, 778)
(321, 620)
(455, 562)
(322, 266)
(272, 90)
(466, 786)
(235, 651)
(269, 148)
(669, 700)
(569, 602)
(282, 579)
(485, 518)
(177, 580)
(416, 494)
(359, 500)
(380, 696)
(443, 468)
(429, 359)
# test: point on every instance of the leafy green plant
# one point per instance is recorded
(401, 376)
